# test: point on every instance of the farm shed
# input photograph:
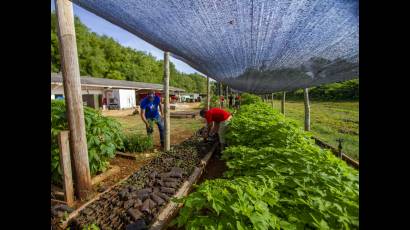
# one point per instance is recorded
(116, 94)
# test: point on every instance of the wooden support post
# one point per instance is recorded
(167, 131)
(272, 100)
(208, 94)
(227, 94)
(65, 164)
(307, 109)
(283, 103)
(73, 98)
(220, 94)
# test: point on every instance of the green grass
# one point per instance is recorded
(329, 121)
(180, 127)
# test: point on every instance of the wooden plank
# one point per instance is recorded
(54, 201)
(307, 109)
(97, 179)
(73, 97)
(167, 131)
(126, 155)
(65, 164)
(349, 161)
(172, 208)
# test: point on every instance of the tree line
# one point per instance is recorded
(102, 56)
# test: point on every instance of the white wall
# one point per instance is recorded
(127, 98)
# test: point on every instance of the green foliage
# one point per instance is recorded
(137, 143)
(257, 125)
(91, 227)
(103, 134)
(347, 90)
(276, 179)
(247, 99)
(102, 56)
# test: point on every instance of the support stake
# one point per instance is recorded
(283, 103)
(272, 100)
(208, 94)
(307, 109)
(65, 164)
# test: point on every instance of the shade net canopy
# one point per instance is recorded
(258, 46)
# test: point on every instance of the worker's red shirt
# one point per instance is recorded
(216, 115)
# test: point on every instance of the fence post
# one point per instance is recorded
(208, 92)
(73, 98)
(283, 103)
(272, 100)
(307, 109)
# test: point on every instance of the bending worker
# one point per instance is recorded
(216, 119)
(150, 115)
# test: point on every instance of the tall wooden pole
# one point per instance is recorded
(307, 109)
(272, 100)
(220, 94)
(167, 133)
(283, 103)
(208, 94)
(73, 98)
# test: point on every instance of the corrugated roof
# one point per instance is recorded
(121, 84)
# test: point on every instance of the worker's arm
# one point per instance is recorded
(144, 119)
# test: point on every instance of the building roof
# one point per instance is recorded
(116, 84)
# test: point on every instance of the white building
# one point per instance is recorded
(103, 92)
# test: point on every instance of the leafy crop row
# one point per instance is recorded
(277, 178)
(104, 137)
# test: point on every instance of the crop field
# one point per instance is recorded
(329, 121)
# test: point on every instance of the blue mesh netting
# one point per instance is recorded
(258, 46)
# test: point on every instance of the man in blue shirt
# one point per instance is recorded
(150, 115)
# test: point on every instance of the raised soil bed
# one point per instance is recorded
(145, 196)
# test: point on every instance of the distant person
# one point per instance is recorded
(230, 99)
(216, 120)
(150, 114)
(237, 101)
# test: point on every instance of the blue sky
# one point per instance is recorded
(101, 26)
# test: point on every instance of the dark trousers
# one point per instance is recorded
(160, 124)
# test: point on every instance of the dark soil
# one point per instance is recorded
(214, 169)
(145, 192)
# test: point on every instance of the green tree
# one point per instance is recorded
(102, 56)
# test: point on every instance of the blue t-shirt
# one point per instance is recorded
(151, 107)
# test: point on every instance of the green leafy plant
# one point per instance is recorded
(137, 143)
(91, 227)
(277, 178)
(103, 134)
(248, 99)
